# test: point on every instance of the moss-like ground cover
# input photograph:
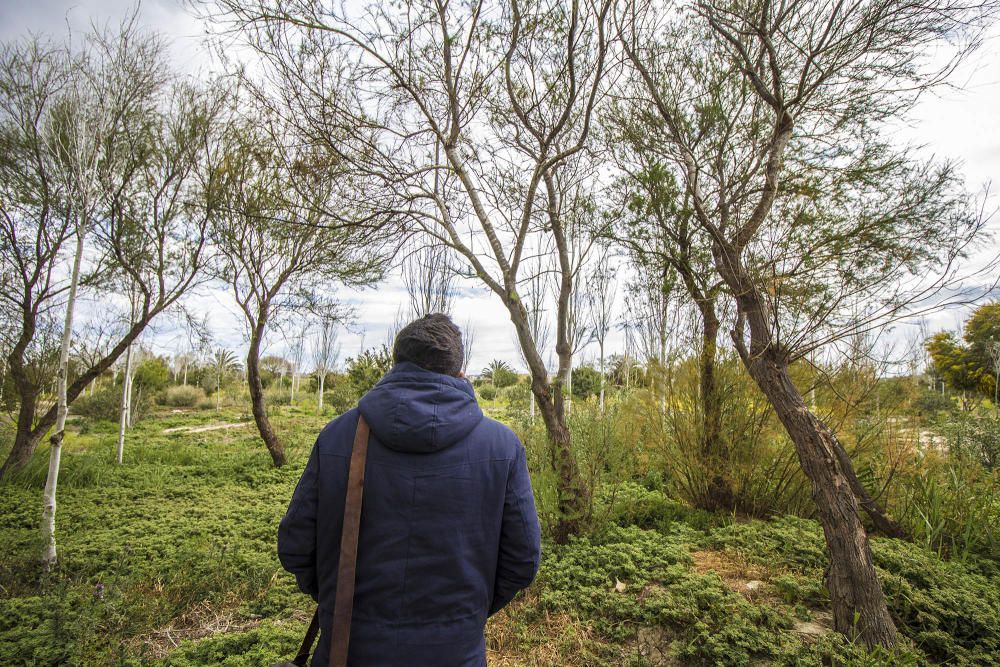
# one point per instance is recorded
(170, 559)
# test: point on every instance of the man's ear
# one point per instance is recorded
(461, 375)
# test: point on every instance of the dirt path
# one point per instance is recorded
(202, 429)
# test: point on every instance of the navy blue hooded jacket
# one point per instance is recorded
(449, 532)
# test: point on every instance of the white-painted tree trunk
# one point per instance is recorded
(131, 397)
(126, 405)
(569, 388)
(662, 373)
(49, 554)
(322, 382)
(601, 400)
(291, 393)
(218, 391)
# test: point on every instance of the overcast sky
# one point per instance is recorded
(958, 123)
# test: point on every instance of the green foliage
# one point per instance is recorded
(982, 332)
(931, 404)
(263, 645)
(953, 508)
(152, 375)
(487, 392)
(950, 609)
(499, 373)
(341, 394)
(365, 370)
(187, 524)
(586, 381)
(632, 504)
(628, 578)
(626, 372)
(106, 403)
(185, 531)
(969, 364)
(183, 396)
(974, 438)
(788, 540)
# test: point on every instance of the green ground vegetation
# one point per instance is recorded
(169, 559)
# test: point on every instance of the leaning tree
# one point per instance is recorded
(285, 237)
(771, 116)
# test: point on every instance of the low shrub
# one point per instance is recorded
(487, 392)
(949, 609)
(183, 396)
(106, 404)
(207, 403)
(263, 645)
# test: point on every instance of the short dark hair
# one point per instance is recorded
(432, 342)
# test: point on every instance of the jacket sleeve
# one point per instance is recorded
(520, 536)
(297, 531)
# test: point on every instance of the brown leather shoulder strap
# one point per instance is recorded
(344, 604)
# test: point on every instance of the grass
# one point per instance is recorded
(170, 559)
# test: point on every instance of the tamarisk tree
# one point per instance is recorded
(283, 238)
(469, 115)
(146, 209)
(769, 116)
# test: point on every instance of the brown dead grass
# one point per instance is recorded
(554, 640)
(736, 573)
(201, 620)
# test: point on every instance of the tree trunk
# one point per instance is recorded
(130, 413)
(569, 388)
(25, 440)
(126, 405)
(573, 496)
(859, 607)
(322, 382)
(62, 408)
(715, 451)
(601, 399)
(29, 434)
(879, 517)
(274, 445)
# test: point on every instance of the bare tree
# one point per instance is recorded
(533, 298)
(652, 317)
(468, 342)
(601, 292)
(93, 342)
(769, 115)
(296, 353)
(429, 280)
(325, 352)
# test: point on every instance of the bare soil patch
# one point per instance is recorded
(203, 429)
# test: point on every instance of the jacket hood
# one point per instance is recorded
(419, 411)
